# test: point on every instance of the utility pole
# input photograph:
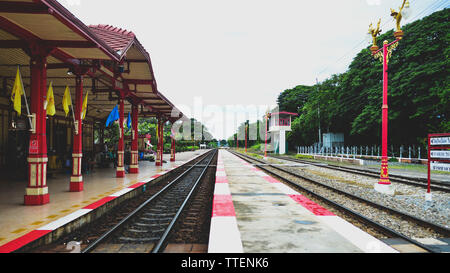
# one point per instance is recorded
(318, 113)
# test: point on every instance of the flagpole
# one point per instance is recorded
(25, 96)
(71, 105)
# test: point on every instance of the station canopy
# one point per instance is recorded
(112, 58)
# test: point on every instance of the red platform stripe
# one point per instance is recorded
(21, 241)
(221, 179)
(271, 179)
(156, 176)
(137, 185)
(223, 205)
(310, 205)
(100, 202)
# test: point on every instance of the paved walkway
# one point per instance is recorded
(271, 217)
(18, 219)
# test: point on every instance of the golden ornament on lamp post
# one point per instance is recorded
(374, 33)
(398, 34)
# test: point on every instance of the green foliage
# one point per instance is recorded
(350, 103)
(111, 137)
(292, 100)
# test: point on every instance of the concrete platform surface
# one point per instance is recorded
(272, 217)
(18, 220)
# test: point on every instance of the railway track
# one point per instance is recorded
(148, 227)
(388, 221)
(413, 181)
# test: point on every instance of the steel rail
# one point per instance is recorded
(383, 228)
(105, 235)
(420, 182)
(163, 241)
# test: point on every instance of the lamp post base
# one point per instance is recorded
(385, 188)
(428, 196)
(265, 158)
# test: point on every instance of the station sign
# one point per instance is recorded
(440, 154)
(440, 141)
(34, 147)
(443, 167)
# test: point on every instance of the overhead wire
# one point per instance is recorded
(432, 7)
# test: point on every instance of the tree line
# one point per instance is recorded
(350, 102)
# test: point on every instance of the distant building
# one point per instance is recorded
(333, 140)
(279, 123)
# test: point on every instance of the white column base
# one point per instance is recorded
(428, 196)
(383, 188)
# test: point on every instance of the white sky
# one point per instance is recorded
(219, 53)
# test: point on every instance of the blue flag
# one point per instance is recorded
(129, 121)
(113, 116)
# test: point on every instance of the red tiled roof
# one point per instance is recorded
(114, 37)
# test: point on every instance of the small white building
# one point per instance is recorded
(279, 124)
(331, 140)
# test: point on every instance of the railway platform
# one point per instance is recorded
(21, 224)
(253, 212)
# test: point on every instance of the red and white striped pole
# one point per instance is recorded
(160, 145)
(172, 149)
(161, 128)
(134, 166)
(172, 146)
(76, 180)
(245, 138)
(120, 172)
(265, 143)
(37, 190)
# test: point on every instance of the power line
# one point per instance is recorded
(434, 6)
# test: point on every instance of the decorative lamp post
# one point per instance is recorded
(383, 54)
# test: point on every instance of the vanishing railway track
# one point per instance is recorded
(148, 227)
(412, 181)
(388, 221)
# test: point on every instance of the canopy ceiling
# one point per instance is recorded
(114, 58)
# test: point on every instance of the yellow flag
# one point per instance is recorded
(67, 100)
(51, 111)
(17, 92)
(83, 115)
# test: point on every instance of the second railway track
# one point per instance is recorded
(413, 181)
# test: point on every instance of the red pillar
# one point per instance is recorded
(384, 177)
(172, 150)
(265, 141)
(160, 145)
(246, 138)
(120, 172)
(76, 180)
(134, 166)
(37, 190)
